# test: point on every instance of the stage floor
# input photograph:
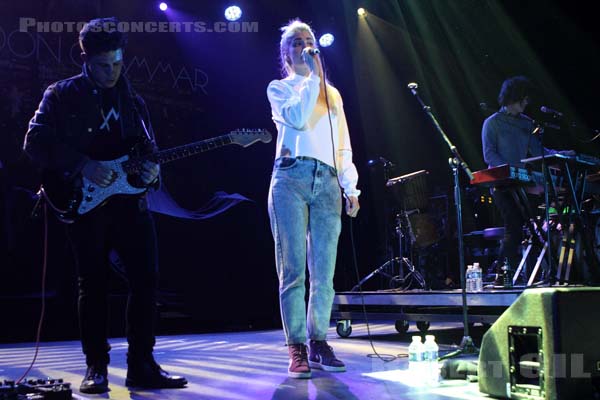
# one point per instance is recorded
(253, 365)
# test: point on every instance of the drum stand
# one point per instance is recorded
(404, 232)
(403, 229)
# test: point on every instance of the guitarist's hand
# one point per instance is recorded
(98, 173)
(149, 172)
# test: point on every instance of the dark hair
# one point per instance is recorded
(514, 90)
(101, 35)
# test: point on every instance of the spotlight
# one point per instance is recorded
(326, 40)
(233, 13)
(361, 12)
(163, 6)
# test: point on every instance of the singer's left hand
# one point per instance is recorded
(149, 172)
(352, 206)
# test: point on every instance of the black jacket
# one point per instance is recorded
(66, 120)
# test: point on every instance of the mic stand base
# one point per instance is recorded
(466, 348)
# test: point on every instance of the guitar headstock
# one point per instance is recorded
(247, 137)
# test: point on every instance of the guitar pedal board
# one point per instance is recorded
(36, 389)
(8, 390)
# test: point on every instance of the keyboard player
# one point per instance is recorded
(508, 137)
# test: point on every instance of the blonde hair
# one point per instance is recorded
(287, 35)
(288, 32)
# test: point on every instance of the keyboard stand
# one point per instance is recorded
(537, 265)
(522, 263)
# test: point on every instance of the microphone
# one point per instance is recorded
(412, 86)
(312, 51)
(554, 113)
(486, 110)
(382, 161)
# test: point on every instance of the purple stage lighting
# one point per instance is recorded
(163, 6)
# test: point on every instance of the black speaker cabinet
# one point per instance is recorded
(544, 346)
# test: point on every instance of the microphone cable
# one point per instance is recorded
(43, 310)
(375, 354)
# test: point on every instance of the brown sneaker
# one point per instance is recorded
(298, 367)
(323, 357)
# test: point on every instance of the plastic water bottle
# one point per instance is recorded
(431, 355)
(416, 360)
(478, 277)
(469, 279)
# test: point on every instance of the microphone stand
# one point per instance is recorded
(467, 347)
(387, 166)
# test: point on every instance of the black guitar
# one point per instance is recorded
(71, 202)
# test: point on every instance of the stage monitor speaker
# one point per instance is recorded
(546, 345)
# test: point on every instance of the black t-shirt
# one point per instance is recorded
(108, 142)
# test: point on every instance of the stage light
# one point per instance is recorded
(361, 12)
(233, 13)
(326, 40)
(163, 6)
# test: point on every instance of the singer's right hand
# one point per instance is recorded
(352, 206)
(313, 62)
(98, 173)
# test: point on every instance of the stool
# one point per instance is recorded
(479, 244)
(496, 233)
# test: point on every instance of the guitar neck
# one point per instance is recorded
(177, 153)
(242, 137)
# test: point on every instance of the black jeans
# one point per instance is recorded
(514, 215)
(122, 224)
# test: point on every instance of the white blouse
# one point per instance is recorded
(303, 126)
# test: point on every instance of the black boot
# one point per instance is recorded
(96, 379)
(146, 373)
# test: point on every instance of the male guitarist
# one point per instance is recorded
(80, 120)
(508, 137)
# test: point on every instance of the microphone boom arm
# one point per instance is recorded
(461, 161)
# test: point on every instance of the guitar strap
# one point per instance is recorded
(145, 129)
(133, 98)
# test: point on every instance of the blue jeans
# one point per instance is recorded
(304, 207)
